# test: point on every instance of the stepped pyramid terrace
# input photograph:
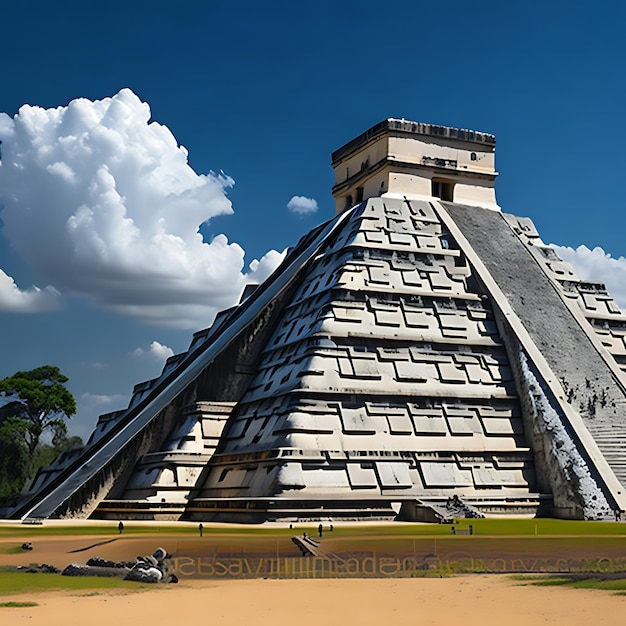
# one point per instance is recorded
(422, 354)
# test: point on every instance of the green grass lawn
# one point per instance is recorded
(12, 582)
(497, 545)
(11, 549)
(512, 527)
(27, 530)
(576, 582)
(542, 526)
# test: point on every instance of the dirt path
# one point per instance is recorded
(479, 599)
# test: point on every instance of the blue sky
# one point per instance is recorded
(263, 93)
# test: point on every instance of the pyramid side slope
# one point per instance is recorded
(84, 482)
(579, 367)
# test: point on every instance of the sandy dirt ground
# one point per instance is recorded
(483, 600)
(479, 599)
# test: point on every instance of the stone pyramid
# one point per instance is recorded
(423, 354)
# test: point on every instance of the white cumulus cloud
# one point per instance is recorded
(598, 266)
(102, 202)
(156, 350)
(260, 270)
(33, 300)
(302, 205)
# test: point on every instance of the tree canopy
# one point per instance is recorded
(14, 459)
(40, 399)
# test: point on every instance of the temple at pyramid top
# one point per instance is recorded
(399, 158)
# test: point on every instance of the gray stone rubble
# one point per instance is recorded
(145, 569)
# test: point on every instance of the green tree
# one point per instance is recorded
(39, 398)
(14, 459)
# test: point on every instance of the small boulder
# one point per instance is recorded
(77, 569)
(100, 562)
(142, 574)
(35, 568)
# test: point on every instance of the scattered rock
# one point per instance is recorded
(160, 555)
(97, 561)
(145, 569)
(78, 569)
(144, 574)
(152, 569)
(35, 568)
